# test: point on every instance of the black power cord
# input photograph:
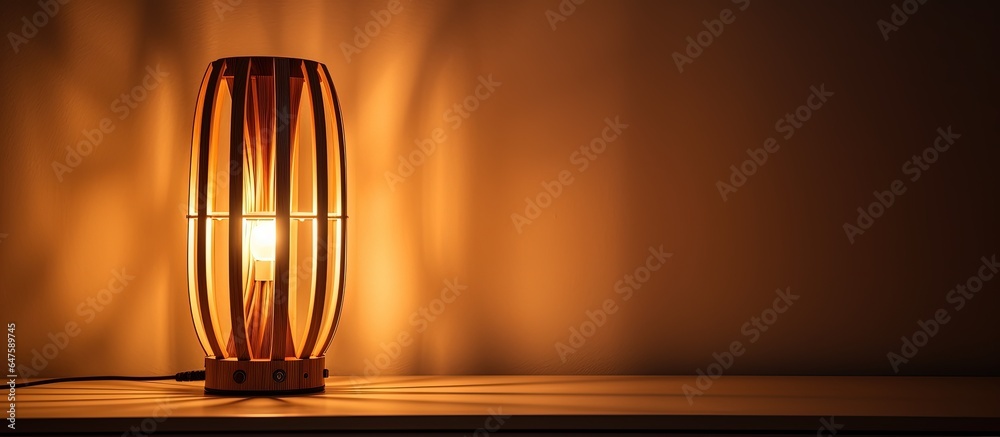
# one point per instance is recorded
(192, 375)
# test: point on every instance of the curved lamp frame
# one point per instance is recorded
(268, 146)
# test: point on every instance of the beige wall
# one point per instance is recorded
(654, 185)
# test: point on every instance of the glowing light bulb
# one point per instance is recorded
(262, 241)
(262, 249)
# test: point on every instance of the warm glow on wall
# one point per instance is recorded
(266, 224)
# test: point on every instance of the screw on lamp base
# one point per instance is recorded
(264, 377)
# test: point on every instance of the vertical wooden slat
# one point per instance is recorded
(283, 193)
(236, 151)
(201, 244)
(342, 222)
(322, 198)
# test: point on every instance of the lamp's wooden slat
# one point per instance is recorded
(340, 289)
(236, 151)
(204, 148)
(322, 199)
(282, 193)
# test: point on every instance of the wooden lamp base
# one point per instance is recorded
(264, 377)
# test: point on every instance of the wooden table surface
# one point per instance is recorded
(463, 404)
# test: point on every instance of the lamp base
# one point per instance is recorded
(264, 377)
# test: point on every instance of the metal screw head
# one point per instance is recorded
(239, 376)
(278, 375)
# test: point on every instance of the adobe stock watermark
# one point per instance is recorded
(493, 423)
(148, 426)
(828, 426)
(898, 17)
(222, 177)
(88, 310)
(454, 117)
(562, 12)
(788, 125)
(123, 106)
(223, 7)
(11, 382)
(221, 185)
(31, 26)
(420, 320)
(958, 297)
(697, 45)
(582, 157)
(625, 288)
(915, 168)
(363, 35)
(753, 329)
